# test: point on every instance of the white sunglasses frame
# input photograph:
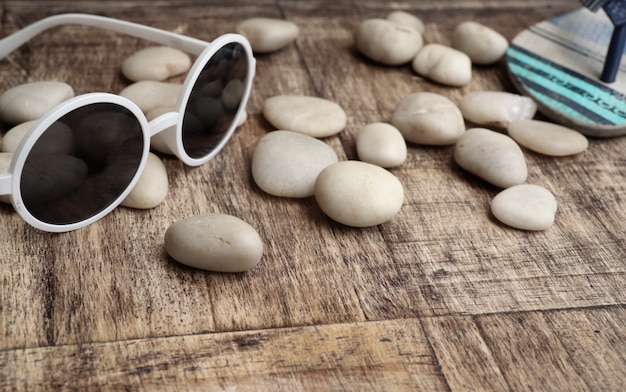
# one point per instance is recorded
(169, 124)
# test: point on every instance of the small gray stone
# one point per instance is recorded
(150, 94)
(5, 163)
(31, 101)
(444, 65)
(381, 144)
(492, 156)
(152, 187)
(155, 63)
(232, 94)
(268, 34)
(49, 177)
(58, 139)
(387, 42)
(526, 207)
(312, 116)
(286, 163)
(547, 138)
(214, 242)
(406, 19)
(358, 194)
(14, 136)
(482, 44)
(496, 108)
(428, 118)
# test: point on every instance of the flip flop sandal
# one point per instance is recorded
(574, 67)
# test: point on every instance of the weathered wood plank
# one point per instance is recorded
(575, 350)
(595, 340)
(465, 359)
(389, 355)
(520, 351)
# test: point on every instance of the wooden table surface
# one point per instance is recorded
(442, 297)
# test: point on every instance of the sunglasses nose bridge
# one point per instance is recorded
(163, 123)
(165, 126)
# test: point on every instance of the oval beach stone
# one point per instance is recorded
(406, 19)
(312, 116)
(481, 43)
(58, 139)
(51, 176)
(214, 242)
(152, 187)
(492, 156)
(358, 194)
(150, 94)
(14, 136)
(428, 118)
(286, 163)
(496, 108)
(268, 34)
(444, 65)
(387, 42)
(547, 138)
(31, 101)
(155, 63)
(232, 94)
(5, 163)
(381, 144)
(525, 206)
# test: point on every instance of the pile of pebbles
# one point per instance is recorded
(293, 160)
(363, 193)
(397, 40)
(493, 151)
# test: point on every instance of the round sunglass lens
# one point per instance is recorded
(82, 163)
(214, 100)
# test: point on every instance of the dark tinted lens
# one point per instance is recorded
(82, 163)
(214, 100)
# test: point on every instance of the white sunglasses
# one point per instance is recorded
(80, 160)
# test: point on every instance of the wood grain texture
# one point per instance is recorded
(442, 297)
(351, 356)
(543, 347)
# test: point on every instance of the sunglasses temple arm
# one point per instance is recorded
(186, 44)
